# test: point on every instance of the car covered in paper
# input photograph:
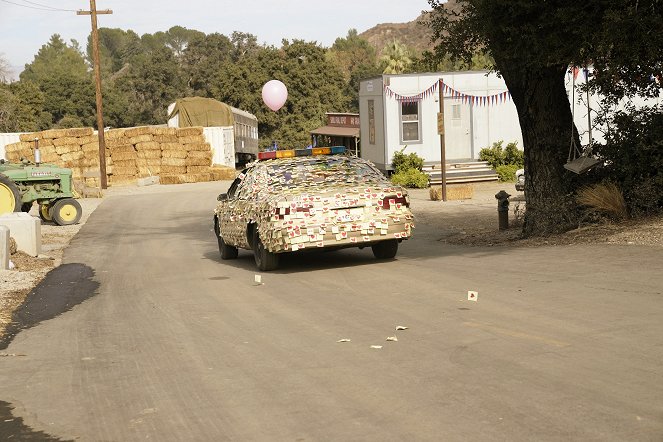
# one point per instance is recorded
(286, 205)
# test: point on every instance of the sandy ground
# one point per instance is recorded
(471, 222)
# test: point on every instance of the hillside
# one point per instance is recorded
(413, 34)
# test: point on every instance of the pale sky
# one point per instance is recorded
(26, 25)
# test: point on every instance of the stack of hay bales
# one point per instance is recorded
(176, 155)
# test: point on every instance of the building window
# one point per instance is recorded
(410, 117)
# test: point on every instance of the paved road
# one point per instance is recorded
(167, 342)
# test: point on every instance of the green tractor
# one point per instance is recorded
(47, 184)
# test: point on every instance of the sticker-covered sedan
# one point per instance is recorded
(293, 200)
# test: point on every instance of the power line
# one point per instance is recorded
(47, 6)
(39, 9)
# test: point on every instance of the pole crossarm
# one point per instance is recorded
(103, 11)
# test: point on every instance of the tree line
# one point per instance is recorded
(142, 75)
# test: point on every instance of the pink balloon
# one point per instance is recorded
(274, 94)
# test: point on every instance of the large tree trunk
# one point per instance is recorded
(546, 123)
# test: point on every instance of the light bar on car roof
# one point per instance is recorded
(268, 155)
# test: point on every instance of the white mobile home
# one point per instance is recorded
(401, 110)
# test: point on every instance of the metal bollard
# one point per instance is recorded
(503, 209)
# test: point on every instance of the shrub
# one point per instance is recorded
(410, 178)
(402, 162)
(507, 172)
(634, 157)
(497, 156)
(606, 198)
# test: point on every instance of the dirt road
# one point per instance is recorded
(159, 339)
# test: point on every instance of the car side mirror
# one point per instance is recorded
(222, 197)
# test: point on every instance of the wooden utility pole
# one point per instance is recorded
(443, 149)
(97, 76)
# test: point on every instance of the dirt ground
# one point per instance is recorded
(471, 222)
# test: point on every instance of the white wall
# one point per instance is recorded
(223, 147)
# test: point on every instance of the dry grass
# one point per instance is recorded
(454, 192)
(606, 198)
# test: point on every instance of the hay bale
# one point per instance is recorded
(197, 177)
(91, 147)
(44, 142)
(16, 147)
(29, 137)
(126, 148)
(164, 131)
(141, 139)
(117, 142)
(171, 146)
(173, 162)
(201, 147)
(119, 180)
(124, 163)
(192, 139)
(72, 156)
(68, 148)
(145, 171)
(114, 134)
(197, 169)
(198, 161)
(125, 171)
(171, 179)
(138, 131)
(47, 150)
(166, 138)
(189, 131)
(50, 158)
(79, 132)
(65, 141)
(223, 173)
(148, 145)
(88, 139)
(207, 154)
(53, 133)
(167, 169)
(124, 156)
(173, 153)
(454, 192)
(151, 154)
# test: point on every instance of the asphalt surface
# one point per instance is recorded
(161, 340)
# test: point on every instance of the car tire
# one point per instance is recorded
(265, 260)
(227, 252)
(385, 249)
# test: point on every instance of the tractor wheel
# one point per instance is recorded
(10, 198)
(45, 212)
(66, 211)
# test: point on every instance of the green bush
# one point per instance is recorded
(507, 172)
(498, 156)
(402, 162)
(412, 178)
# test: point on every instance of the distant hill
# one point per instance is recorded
(414, 35)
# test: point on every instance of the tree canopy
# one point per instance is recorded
(533, 44)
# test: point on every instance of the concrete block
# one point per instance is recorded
(25, 229)
(148, 181)
(4, 248)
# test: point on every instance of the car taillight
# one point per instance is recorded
(394, 200)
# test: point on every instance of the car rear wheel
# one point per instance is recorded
(385, 249)
(265, 260)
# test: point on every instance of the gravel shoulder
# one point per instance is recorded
(471, 222)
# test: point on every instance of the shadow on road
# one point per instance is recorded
(62, 289)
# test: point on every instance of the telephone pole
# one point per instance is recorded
(97, 76)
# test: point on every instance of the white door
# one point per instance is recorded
(458, 129)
